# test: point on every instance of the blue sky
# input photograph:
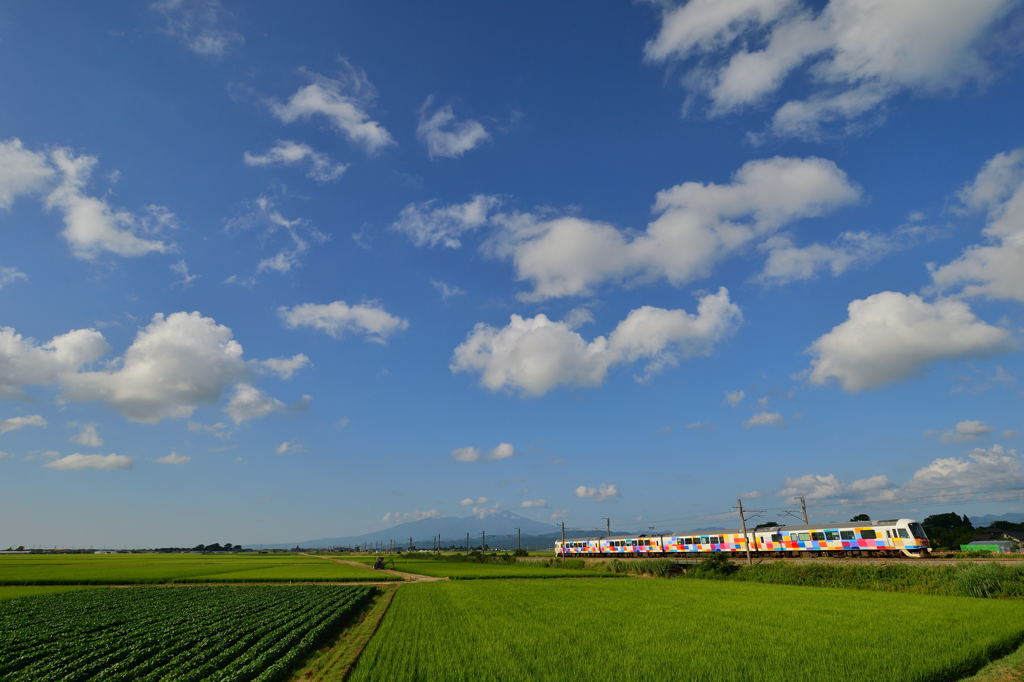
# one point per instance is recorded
(282, 273)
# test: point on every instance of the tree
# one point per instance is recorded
(860, 517)
(948, 530)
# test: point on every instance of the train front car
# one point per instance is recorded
(892, 537)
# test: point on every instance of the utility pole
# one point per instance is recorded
(519, 539)
(467, 542)
(608, 526)
(563, 536)
(410, 543)
(743, 525)
(803, 509)
(483, 540)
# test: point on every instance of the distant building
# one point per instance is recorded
(997, 546)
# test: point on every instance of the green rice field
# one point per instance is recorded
(468, 570)
(18, 591)
(128, 569)
(637, 629)
(157, 633)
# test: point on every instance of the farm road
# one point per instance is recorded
(408, 577)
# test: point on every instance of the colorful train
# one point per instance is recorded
(893, 537)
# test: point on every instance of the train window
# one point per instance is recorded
(703, 539)
(918, 531)
(776, 537)
(818, 536)
(846, 534)
(888, 534)
(805, 537)
(868, 534)
(903, 532)
(690, 541)
(831, 535)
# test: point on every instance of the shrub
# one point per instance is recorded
(714, 566)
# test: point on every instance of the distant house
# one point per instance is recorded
(989, 535)
(997, 546)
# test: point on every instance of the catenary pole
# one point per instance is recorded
(743, 525)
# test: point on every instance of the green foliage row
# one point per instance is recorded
(988, 580)
(633, 629)
(188, 633)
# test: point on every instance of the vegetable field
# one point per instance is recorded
(127, 569)
(636, 629)
(226, 633)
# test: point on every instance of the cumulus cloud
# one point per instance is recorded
(24, 362)
(535, 355)
(971, 429)
(339, 318)
(891, 336)
(697, 226)
(995, 268)
(288, 153)
(173, 458)
(78, 461)
(197, 24)
(173, 365)
(603, 492)
(446, 136)
(15, 423)
(283, 367)
(249, 402)
(91, 225)
(764, 419)
(469, 501)
(853, 56)
(428, 224)
(471, 453)
(532, 504)
(342, 101)
(88, 436)
(22, 171)
(400, 517)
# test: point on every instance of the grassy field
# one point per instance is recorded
(126, 569)
(155, 633)
(18, 591)
(636, 629)
(468, 570)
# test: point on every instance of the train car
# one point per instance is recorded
(892, 537)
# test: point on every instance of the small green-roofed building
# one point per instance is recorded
(997, 546)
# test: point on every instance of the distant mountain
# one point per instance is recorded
(982, 521)
(498, 526)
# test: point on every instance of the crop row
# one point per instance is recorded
(188, 633)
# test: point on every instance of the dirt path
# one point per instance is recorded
(408, 577)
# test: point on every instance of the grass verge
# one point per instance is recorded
(1007, 669)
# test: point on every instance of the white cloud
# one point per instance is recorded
(289, 153)
(854, 55)
(697, 226)
(263, 212)
(891, 336)
(787, 262)
(173, 458)
(248, 402)
(995, 268)
(764, 419)
(173, 365)
(428, 224)
(535, 355)
(218, 430)
(25, 363)
(972, 429)
(4, 455)
(812, 486)
(532, 504)
(77, 462)
(484, 512)
(88, 436)
(15, 423)
(471, 453)
(446, 136)
(91, 225)
(469, 501)
(399, 517)
(338, 318)
(197, 24)
(286, 447)
(447, 290)
(9, 275)
(603, 492)
(992, 469)
(342, 101)
(559, 514)
(283, 367)
(21, 172)
(751, 495)
(734, 398)
(502, 451)
(185, 278)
